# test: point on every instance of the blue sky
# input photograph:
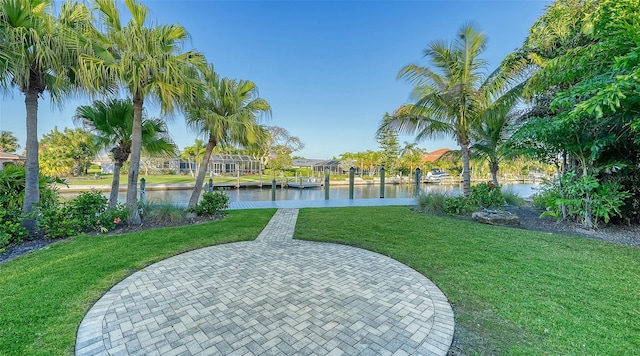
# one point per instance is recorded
(328, 68)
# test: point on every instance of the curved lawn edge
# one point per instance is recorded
(513, 291)
(46, 293)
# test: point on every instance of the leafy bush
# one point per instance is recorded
(87, 212)
(163, 213)
(486, 195)
(459, 205)
(11, 229)
(12, 185)
(586, 199)
(439, 203)
(212, 203)
(607, 201)
(547, 195)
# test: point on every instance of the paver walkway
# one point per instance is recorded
(274, 296)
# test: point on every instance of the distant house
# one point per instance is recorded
(219, 164)
(435, 155)
(9, 158)
(318, 165)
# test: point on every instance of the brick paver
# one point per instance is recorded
(275, 296)
(280, 227)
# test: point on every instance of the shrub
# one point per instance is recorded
(12, 185)
(439, 203)
(459, 205)
(587, 199)
(87, 212)
(434, 203)
(486, 195)
(164, 213)
(607, 201)
(11, 229)
(547, 195)
(212, 203)
(512, 198)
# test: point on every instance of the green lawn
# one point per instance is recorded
(45, 294)
(514, 291)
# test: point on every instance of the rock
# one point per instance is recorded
(494, 217)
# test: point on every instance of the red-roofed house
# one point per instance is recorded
(433, 156)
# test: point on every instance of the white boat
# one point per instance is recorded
(436, 177)
(304, 182)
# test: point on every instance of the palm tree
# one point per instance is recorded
(38, 51)
(491, 135)
(411, 154)
(227, 114)
(452, 98)
(147, 63)
(111, 123)
(195, 153)
(8, 142)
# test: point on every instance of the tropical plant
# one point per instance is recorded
(66, 153)
(86, 212)
(587, 54)
(453, 98)
(487, 195)
(12, 191)
(194, 154)
(111, 123)
(8, 142)
(433, 202)
(212, 203)
(147, 63)
(163, 213)
(491, 135)
(38, 51)
(411, 156)
(227, 114)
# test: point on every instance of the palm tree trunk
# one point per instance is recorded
(202, 172)
(134, 164)
(32, 179)
(466, 171)
(115, 185)
(190, 168)
(494, 167)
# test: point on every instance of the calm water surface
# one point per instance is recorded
(181, 197)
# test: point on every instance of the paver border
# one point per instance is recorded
(90, 332)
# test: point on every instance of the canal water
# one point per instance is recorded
(181, 197)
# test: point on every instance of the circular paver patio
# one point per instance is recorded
(262, 298)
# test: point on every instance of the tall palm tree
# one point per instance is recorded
(228, 115)
(38, 51)
(450, 98)
(147, 63)
(8, 142)
(111, 123)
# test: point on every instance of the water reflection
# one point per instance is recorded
(181, 197)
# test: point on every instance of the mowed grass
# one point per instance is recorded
(513, 291)
(45, 294)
